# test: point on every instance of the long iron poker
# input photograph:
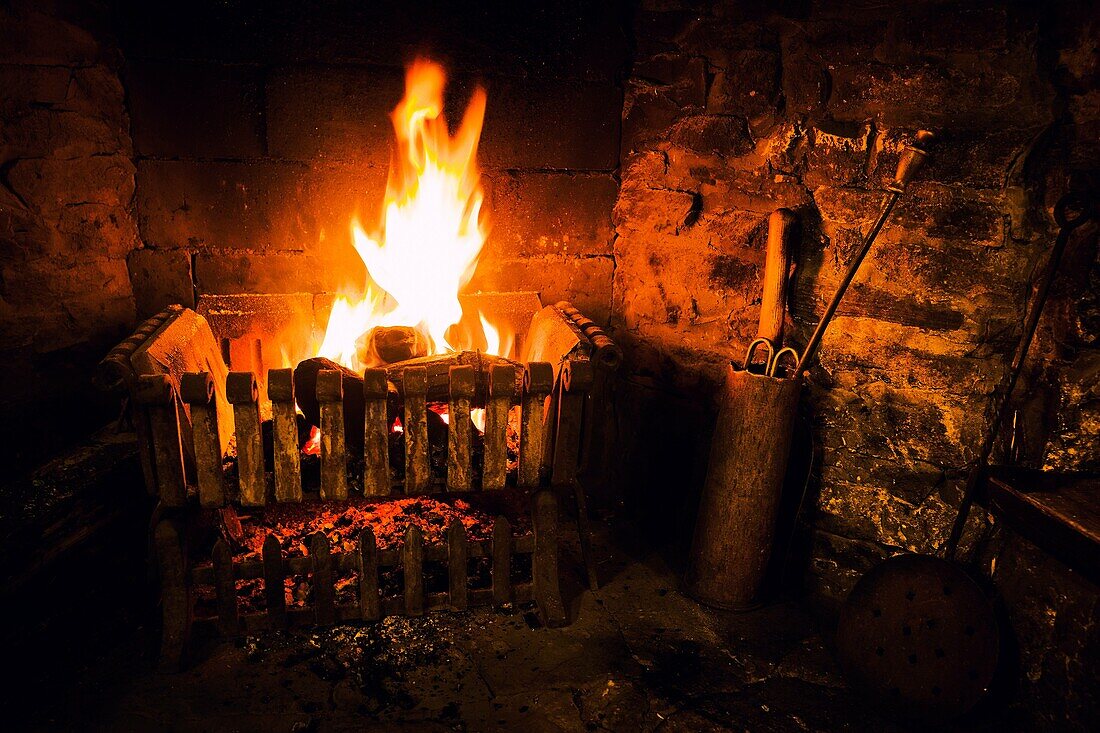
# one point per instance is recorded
(1071, 211)
(912, 158)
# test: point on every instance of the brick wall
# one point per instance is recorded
(66, 182)
(733, 109)
(259, 132)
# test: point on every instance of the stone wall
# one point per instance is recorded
(66, 184)
(733, 109)
(259, 131)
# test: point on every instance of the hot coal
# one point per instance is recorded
(342, 523)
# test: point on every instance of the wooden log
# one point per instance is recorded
(156, 394)
(243, 394)
(284, 428)
(225, 588)
(274, 580)
(324, 591)
(537, 383)
(197, 390)
(457, 565)
(174, 603)
(185, 343)
(412, 561)
(502, 391)
(437, 370)
(553, 337)
(502, 561)
(376, 432)
(390, 344)
(544, 572)
(417, 468)
(334, 454)
(305, 390)
(460, 429)
(369, 599)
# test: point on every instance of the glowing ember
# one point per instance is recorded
(313, 445)
(426, 247)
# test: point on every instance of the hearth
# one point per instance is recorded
(550, 365)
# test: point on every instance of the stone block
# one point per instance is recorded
(343, 113)
(805, 80)
(746, 83)
(195, 109)
(556, 124)
(720, 135)
(48, 133)
(889, 423)
(51, 185)
(648, 113)
(234, 272)
(970, 96)
(160, 278)
(585, 281)
(942, 214)
(25, 86)
(921, 32)
(857, 350)
(984, 158)
(837, 155)
(535, 214)
(79, 206)
(641, 209)
(682, 79)
(58, 304)
(263, 205)
(340, 113)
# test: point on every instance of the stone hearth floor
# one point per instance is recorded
(637, 656)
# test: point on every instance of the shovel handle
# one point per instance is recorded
(782, 230)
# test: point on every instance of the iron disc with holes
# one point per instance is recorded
(920, 635)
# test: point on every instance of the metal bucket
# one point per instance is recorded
(735, 529)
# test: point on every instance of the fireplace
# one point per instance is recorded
(426, 393)
(400, 443)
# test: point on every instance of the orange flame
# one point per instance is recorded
(432, 231)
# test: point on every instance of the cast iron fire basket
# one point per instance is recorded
(178, 419)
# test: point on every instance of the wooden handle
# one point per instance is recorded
(912, 159)
(782, 230)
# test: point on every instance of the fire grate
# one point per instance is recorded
(183, 418)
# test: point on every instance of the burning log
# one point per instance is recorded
(438, 385)
(439, 370)
(305, 391)
(391, 344)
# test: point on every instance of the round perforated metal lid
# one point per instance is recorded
(919, 635)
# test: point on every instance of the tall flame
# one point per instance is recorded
(427, 245)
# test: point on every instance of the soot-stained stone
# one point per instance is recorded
(712, 134)
(549, 213)
(200, 109)
(746, 83)
(681, 78)
(837, 155)
(160, 278)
